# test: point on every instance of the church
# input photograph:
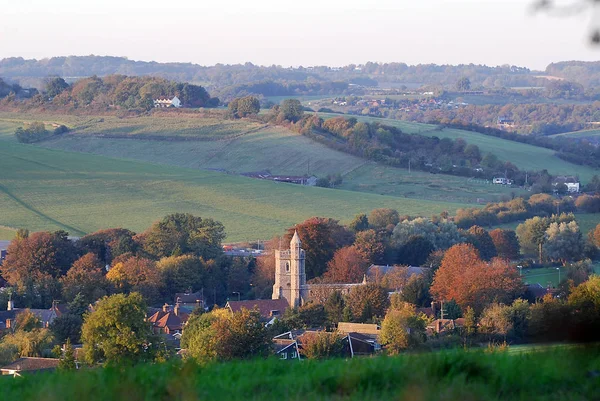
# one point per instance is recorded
(290, 278)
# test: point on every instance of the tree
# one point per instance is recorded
(360, 223)
(382, 218)
(180, 273)
(67, 359)
(464, 277)
(117, 331)
(221, 335)
(322, 344)
(291, 109)
(370, 245)
(532, 236)
(506, 243)
(334, 307)
(108, 244)
(306, 316)
(67, 327)
(415, 251)
(482, 241)
(55, 86)
(564, 242)
(136, 274)
(585, 302)
(85, 277)
(495, 321)
(247, 105)
(367, 301)
(416, 291)
(29, 343)
(320, 237)
(401, 329)
(183, 233)
(470, 326)
(347, 266)
(463, 84)
(442, 234)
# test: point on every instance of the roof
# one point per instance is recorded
(537, 290)
(266, 307)
(32, 364)
(169, 319)
(295, 242)
(188, 297)
(412, 270)
(426, 311)
(363, 328)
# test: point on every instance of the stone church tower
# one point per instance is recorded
(290, 275)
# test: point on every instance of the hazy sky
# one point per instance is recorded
(300, 32)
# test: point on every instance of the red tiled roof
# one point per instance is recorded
(265, 306)
(173, 321)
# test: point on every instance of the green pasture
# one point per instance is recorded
(302, 98)
(44, 189)
(524, 156)
(590, 133)
(385, 180)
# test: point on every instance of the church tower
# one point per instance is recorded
(290, 274)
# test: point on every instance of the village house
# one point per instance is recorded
(169, 321)
(46, 316)
(29, 365)
(572, 183)
(269, 309)
(165, 101)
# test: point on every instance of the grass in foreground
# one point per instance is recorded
(42, 189)
(560, 374)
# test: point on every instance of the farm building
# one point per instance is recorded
(164, 101)
(502, 181)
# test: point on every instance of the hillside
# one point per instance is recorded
(211, 143)
(43, 189)
(591, 134)
(524, 156)
(552, 373)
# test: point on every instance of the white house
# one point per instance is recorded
(502, 181)
(164, 101)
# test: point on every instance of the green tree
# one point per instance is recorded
(415, 251)
(360, 223)
(401, 329)
(334, 307)
(367, 301)
(117, 331)
(247, 106)
(180, 273)
(183, 233)
(532, 236)
(463, 84)
(67, 327)
(416, 291)
(67, 359)
(322, 344)
(54, 86)
(382, 218)
(470, 326)
(564, 242)
(291, 109)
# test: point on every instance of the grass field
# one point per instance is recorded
(524, 156)
(549, 275)
(555, 374)
(275, 149)
(591, 133)
(43, 189)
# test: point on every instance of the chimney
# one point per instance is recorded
(11, 305)
(166, 308)
(176, 309)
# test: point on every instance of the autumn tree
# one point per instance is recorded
(401, 329)
(585, 301)
(506, 243)
(291, 109)
(263, 278)
(382, 218)
(136, 274)
(482, 241)
(464, 277)
(85, 277)
(463, 84)
(347, 266)
(320, 237)
(415, 251)
(181, 273)
(370, 245)
(367, 301)
(108, 244)
(117, 331)
(183, 233)
(416, 291)
(322, 344)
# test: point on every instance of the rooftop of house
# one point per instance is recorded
(188, 297)
(383, 269)
(31, 364)
(266, 307)
(362, 328)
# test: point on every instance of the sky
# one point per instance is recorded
(294, 33)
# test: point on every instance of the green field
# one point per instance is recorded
(252, 149)
(43, 189)
(544, 373)
(526, 157)
(591, 133)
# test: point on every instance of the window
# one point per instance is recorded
(283, 356)
(293, 354)
(287, 266)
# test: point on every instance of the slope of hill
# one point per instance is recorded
(243, 146)
(586, 134)
(524, 156)
(43, 189)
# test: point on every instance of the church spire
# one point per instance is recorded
(295, 242)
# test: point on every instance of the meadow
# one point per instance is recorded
(590, 133)
(274, 149)
(45, 189)
(524, 156)
(543, 373)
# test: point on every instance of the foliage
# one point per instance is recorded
(442, 234)
(464, 277)
(35, 132)
(291, 109)
(85, 277)
(585, 300)
(67, 359)
(67, 327)
(367, 302)
(33, 343)
(136, 274)
(306, 316)
(416, 291)
(55, 86)
(402, 329)
(334, 307)
(564, 242)
(320, 237)
(482, 241)
(370, 245)
(359, 223)
(117, 332)
(506, 243)
(322, 344)
(383, 217)
(244, 107)
(108, 244)
(532, 236)
(181, 273)
(183, 233)
(347, 266)
(415, 251)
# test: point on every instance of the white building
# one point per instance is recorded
(164, 101)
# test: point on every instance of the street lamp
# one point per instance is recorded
(235, 292)
(520, 270)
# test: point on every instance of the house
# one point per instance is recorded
(445, 325)
(164, 101)
(570, 181)
(268, 308)
(29, 365)
(502, 181)
(190, 300)
(46, 316)
(167, 321)
(3, 247)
